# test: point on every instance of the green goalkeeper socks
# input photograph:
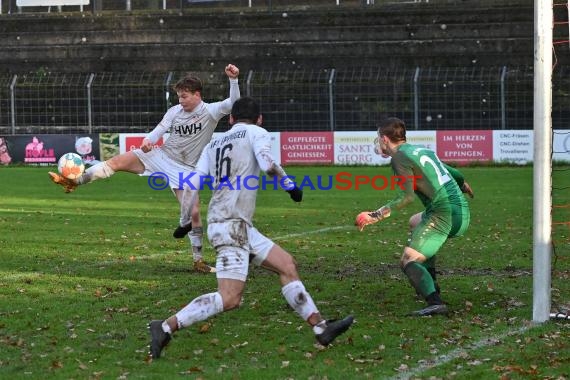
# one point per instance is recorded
(420, 279)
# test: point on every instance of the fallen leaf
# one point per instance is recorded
(204, 328)
(56, 364)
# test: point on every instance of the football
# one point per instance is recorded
(71, 165)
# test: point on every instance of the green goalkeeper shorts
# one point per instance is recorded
(438, 226)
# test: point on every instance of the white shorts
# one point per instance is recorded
(160, 166)
(237, 244)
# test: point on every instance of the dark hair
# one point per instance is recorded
(393, 128)
(190, 83)
(245, 109)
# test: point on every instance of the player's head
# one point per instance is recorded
(189, 91)
(393, 128)
(190, 83)
(391, 132)
(245, 110)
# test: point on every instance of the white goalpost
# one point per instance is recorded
(542, 172)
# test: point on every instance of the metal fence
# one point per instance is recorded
(432, 98)
(14, 6)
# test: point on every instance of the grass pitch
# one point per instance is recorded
(81, 274)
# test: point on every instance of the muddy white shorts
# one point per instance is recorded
(161, 167)
(237, 244)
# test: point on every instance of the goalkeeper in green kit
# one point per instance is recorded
(439, 187)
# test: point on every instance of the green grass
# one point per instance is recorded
(81, 274)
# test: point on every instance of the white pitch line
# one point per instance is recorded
(157, 255)
(310, 232)
(122, 259)
(458, 352)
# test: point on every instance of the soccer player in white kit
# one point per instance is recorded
(233, 161)
(191, 124)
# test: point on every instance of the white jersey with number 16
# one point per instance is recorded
(234, 161)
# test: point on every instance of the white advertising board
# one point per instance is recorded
(514, 146)
(427, 139)
(356, 148)
(561, 145)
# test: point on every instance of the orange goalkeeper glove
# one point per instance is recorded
(370, 217)
(465, 188)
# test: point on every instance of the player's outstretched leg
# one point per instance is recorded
(334, 328)
(67, 184)
(158, 338)
(199, 309)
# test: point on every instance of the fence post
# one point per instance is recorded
(13, 103)
(503, 99)
(89, 103)
(417, 99)
(331, 98)
(248, 83)
(166, 85)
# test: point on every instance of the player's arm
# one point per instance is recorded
(262, 148)
(223, 108)
(370, 217)
(235, 94)
(158, 131)
(403, 169)
(459, 179)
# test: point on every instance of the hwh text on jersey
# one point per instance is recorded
(191, 129)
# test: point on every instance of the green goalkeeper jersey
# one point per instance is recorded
(436, 184)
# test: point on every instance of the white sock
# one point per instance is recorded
(199, 309)
(166, 328)
(95, 172)
(196, 240)
(320, 327)
(299, 299)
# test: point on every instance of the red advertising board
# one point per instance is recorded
(465, 146)
(307, 147)
(135, 142)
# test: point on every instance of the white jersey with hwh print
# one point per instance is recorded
(190, 131)
(234, 160)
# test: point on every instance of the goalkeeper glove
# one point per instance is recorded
(465, 188)
(296, 194)
(370, 217)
